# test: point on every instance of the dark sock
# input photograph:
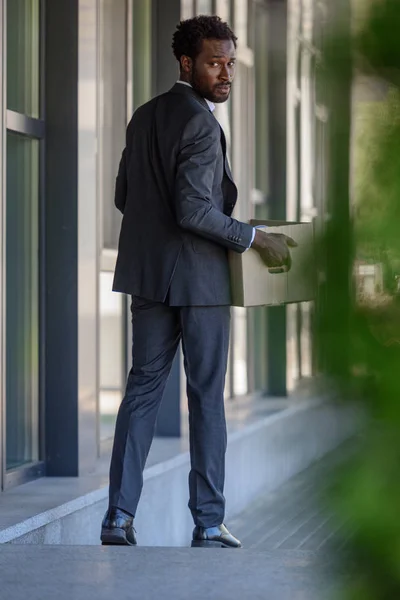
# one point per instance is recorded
(125, 512)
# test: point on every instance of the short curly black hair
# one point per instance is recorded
(189, 35)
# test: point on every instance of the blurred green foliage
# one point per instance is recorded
(377, 213)
(367, 489)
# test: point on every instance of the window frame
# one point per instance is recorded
(32, 128)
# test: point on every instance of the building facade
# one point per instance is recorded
(73, 71)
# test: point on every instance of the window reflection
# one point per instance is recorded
(23, 56)
(22, 301)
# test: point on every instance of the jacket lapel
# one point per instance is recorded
(226, 162)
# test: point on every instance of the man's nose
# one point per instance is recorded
(225, 74)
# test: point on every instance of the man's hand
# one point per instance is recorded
(274, 250)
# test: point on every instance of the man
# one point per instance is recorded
(176, 192)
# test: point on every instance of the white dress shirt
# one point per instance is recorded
(211, 105)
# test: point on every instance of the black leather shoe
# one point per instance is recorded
(117, 529)
(214, 537)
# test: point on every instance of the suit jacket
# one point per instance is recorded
(176, 192)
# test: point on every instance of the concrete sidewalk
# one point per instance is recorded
(289, 547)
(95, 573)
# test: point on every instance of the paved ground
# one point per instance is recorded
(95, 573)
(288, 539)
(296, 516)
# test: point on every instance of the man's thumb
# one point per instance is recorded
(290, 242)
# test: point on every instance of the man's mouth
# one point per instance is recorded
(224, 88)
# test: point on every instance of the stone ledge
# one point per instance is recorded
(260, 456)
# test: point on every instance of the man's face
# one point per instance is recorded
(212, 72)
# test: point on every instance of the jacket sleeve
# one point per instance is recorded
(196, 163)
(121, 185)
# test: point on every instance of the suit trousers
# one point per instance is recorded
(157, 331)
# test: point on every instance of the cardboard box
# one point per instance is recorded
(253, 285)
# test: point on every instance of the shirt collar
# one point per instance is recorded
(211, 105)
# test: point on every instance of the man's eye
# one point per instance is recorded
(232, 64)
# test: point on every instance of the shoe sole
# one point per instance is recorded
(211, 544)
(115, 537)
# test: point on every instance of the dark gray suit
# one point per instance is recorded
(175, 190)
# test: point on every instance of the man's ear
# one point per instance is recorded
(186, 64)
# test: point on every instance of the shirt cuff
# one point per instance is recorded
(254, 235)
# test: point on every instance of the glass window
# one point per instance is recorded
(241, 21)
(22, 300)
(186, 9)
(23, 56)
(222, 9)
(239, 348)
(112, 110)
(114, 77)
(111, 355)
(293, 366)
(203, 7)
(260, 28)
(142, 56)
